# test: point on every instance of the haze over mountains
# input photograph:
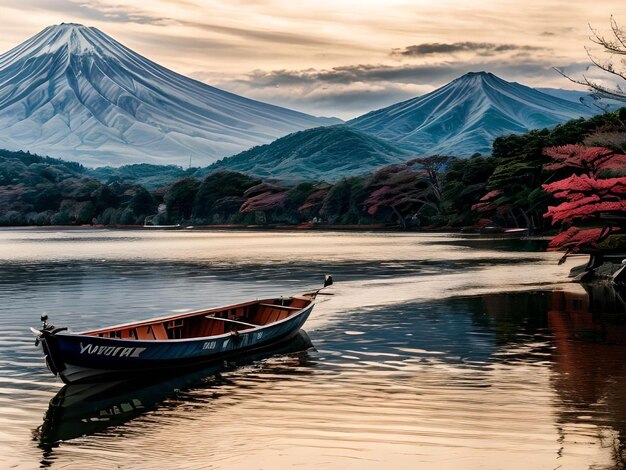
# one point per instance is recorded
(466, 115)
(73, 92)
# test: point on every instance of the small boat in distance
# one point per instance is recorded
(163, 227)
(175, 343)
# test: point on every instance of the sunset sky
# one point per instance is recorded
(336, 57)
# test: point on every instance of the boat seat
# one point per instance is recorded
(129, 334)
(284, 307)
(300, 302)
(159, 331)
(155, 331)
(271, 315)
(208, 328)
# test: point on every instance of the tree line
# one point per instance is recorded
(504, 189)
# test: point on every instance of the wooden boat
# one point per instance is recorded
(174, 343)
(86, 408)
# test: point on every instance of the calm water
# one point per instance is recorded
(434, 352)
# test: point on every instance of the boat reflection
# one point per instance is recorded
(84, 409)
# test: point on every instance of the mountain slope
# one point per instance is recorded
(74, 92)
(466, 115)
(323, 153)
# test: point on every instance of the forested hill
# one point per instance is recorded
(38, 190)
(149, 176)
(503, 190)
(323, 153)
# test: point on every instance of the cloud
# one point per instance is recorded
(262, 35)
(303, 54)
(343, 101)
(349, 74)
(95, 10)
(481, 48)
(99, 10)
(351, 90)
(419, 74)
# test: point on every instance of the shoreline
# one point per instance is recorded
(283, 228)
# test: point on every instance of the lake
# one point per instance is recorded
(435, 351)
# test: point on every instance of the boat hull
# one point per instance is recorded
(78, 358)
(83, 409)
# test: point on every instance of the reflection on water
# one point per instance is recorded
(84, 409)
(433, 352)
(590, 374)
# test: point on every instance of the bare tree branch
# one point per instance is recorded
(603, 91)
(614, 47)
(608, 67)
(619, 33)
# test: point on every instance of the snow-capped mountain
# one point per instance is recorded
(466, 115)
(73, 92)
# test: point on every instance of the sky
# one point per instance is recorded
(337, 57)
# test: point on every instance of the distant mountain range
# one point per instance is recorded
(323, 153)
(72, 91)
(584, 98)
(460, 119)
(466, 115)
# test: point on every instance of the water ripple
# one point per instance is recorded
(409, 370)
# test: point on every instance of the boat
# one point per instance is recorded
(174, 343)
(79, 410)
(163, 227)
(505, 232)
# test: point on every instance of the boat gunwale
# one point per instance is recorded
(179, 340)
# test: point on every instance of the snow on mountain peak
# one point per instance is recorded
(74, 38)
(481, 78)
(473, 75)
(466, 115)
(71, 91)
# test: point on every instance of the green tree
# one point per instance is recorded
(180, 199)
(142, 203)
(464, 183)
(217, 186)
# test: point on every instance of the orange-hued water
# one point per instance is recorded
(435, 351)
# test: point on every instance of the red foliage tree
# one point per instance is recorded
(573, 238)
(264, 197)
(264, 202)
(592, 160)
(586, 198)
(313, 202)
(487, 202)
(400, 188)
